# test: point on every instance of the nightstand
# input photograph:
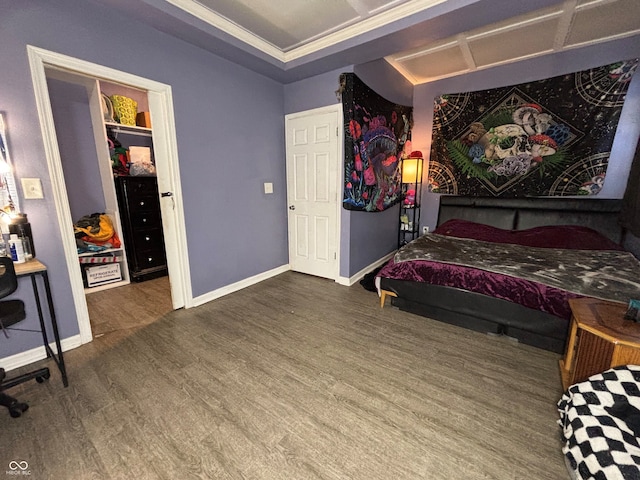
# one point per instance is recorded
(599, 339)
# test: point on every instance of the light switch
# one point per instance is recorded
(32, 188)
(268, 187)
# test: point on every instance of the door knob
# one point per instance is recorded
(292, 207)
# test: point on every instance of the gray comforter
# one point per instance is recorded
(606, 274)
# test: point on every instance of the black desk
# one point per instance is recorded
(34, 268)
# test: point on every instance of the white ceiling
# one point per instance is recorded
(287, 31)
(569, 25)
(287, 24)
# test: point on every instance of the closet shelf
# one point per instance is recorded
(93, 254)
(128, 129)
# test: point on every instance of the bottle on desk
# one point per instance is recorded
(16, 249)
(21, 227)
(26, 243)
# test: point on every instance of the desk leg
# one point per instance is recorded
(54, 323)
(59, 358)
(36, 294)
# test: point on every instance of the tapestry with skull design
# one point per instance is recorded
(551, 137)
(377, 133)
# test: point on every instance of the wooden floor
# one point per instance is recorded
(294, 378)
(130, 307)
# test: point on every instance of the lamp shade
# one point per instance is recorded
(412, 170)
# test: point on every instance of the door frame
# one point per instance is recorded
(166, 156)
(337, 110)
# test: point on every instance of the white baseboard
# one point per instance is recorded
(348, 281)
(234, 287)
(35, 354)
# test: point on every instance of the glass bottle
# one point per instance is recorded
(26, 243)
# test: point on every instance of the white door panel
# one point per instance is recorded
(312, 171)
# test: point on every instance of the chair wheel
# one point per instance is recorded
(16, 409)
(43, 377)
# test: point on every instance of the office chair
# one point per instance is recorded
(11, 312)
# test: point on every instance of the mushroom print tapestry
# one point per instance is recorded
(551, 137)
(377, 135)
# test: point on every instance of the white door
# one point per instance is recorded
(312, 191)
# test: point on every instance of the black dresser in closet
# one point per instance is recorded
(142, 227)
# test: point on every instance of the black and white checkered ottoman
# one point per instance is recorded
(598, 444)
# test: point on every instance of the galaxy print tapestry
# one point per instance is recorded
(552, 137)
(377, 133)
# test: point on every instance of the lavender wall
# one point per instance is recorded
(70, 106)
(535, 69)
(386, 80)
(314, 92)
(373, 235)
(230, 133)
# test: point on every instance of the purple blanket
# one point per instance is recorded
(524, 292)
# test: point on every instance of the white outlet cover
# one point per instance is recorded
(268, 187)
(32, 188)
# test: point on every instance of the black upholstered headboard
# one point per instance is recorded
(522, 213)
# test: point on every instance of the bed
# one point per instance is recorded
(600, 422)
(488, 300)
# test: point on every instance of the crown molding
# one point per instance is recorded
(212, 18)
(345, 33)
(365, 26)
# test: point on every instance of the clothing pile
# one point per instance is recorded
(119, 156)
(95, 233)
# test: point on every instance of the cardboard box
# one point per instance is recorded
(143, 119)
(139, 154)
(102, 274)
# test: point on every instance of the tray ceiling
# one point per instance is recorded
(288, 24)
(288, 30)
(566, 26)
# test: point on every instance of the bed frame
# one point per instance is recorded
(492, 315)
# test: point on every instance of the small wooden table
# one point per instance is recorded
(34, 268)
(599, 339)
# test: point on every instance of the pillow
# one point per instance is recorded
(572, 237)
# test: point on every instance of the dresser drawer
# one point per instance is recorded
(136, 186)
(148, 239)
(143, 203)
(150, 259)
(150, 219)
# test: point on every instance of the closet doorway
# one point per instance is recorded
(72, 73)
